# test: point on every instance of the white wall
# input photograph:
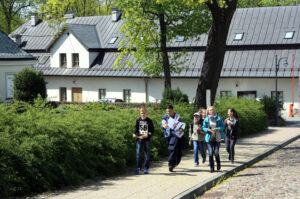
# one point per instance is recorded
(114, 88)
(68, 44)
(8, 68)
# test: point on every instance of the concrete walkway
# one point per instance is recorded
(187, 179)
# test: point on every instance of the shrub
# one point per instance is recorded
(173, 97)
(28, 84)
(251, 113)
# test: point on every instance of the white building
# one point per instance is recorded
(12, 60)
(77, 64)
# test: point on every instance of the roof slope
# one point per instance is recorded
(261, 26)
(10, 50)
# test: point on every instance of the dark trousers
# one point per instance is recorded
(142, 143)
(213, 149)
(230, 143)
(175, 151)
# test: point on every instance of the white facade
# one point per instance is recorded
(7, 71)
(154, 88)
(69, 44)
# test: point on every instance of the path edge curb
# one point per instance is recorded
(197, 190)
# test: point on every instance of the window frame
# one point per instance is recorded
(74, 62)
(60, 94)
(125, 95)
(226, 94)
(113, 40)
(100, 93)
(63, 63)
(280, 97)
(180, 38)
(239, 38)
(289, 32)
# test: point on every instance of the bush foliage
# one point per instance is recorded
(43, 148)
(28, 84)
(173, 97)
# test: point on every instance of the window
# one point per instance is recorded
(63, 60)
(75, 60)
(127, 95)
(44, 60)
(180, 38)
(77, 94)
(247, 94)
(102, 93)
(238, 36)
(289, 35)
(279, 94)
(62, 94)
(113, 40)
(226, 94)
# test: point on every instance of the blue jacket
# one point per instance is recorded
(220, 127)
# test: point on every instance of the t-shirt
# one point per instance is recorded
(143, 127)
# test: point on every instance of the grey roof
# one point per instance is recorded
(10, 50)
(237, 63)
(261, 26)
(86, 34)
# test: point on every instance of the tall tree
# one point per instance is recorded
(149, 26)
(53, 11)
(222, 12)
(10, 13)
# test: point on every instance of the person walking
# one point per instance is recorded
(143, 130)
(231, 129)
(213, 126)
(197, 138)
(175, 138)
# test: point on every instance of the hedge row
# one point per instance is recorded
(42, 148)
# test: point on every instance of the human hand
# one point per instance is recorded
(199, 128)
(145, 136)
(134, 135)
(190, 143)
(165, 126)
(213, 130)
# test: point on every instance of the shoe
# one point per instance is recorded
(171, 168)
(229, 158)
(146, 171)
(137, 171)
(203, 160)
(195, 165)
(232, 161)
(212, 170)
(218, 167)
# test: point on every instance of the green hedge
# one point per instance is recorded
(42, 148)
(251, 113)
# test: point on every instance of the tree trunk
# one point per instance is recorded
(163, 49)
(215, 51)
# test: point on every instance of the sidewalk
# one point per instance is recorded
(187, 179)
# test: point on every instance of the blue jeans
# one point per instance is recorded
(140, 143)
(230, 143)
(199, 146)
(213, 149)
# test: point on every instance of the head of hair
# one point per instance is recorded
(143, 108)
(207, 110)
(170, 107)
(234, 112)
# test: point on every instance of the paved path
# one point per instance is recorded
(160, 183)
(277, 176)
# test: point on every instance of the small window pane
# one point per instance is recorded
(75, 60)
(63, 94)
(279, 94)
(180, 38)
(63, 60)
(289, 35)
(102, 93)
(113, 40)
(127, 95)
(238, 36)
(226, 94)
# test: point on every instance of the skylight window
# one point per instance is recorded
(44, 59)
(238, 36)
(289, 35)
(180, 38)
(113, 40)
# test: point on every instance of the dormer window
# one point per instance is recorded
(113, 40)
(63, 60)
(238, 36)
(75, 60)
(180, 38)
(289, 35)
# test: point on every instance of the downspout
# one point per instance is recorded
(146, 90)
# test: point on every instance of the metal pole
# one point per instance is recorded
(276, 96)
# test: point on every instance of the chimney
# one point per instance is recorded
(17, 39)
(34, 19)
(69, 15)
(116, 13)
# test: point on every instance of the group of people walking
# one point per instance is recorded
(205, 132)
